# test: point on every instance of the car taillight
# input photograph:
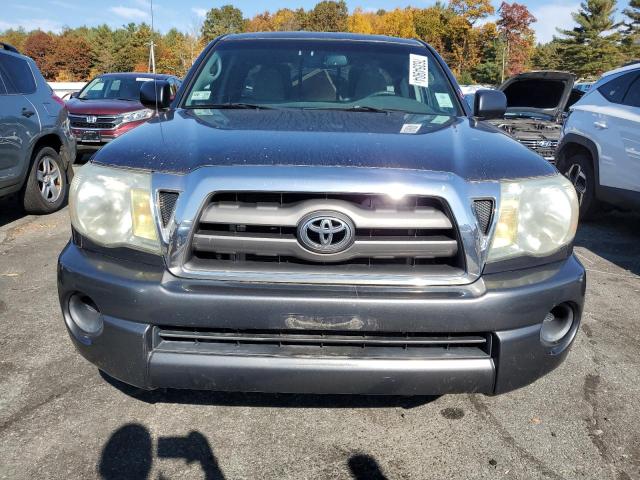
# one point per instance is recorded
(58, 100)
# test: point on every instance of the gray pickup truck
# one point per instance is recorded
(321, 213)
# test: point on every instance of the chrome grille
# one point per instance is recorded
(102, 122)
(257, 230)
(544, 148)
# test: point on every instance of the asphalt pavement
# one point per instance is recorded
(60, 419)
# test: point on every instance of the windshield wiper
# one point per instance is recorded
(233, 106)
(352, 108)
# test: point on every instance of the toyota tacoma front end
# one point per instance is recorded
(319, 213)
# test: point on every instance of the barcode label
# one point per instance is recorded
(418, 70)
(411, 128)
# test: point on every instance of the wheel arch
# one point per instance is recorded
(48, 140)
(573, 144)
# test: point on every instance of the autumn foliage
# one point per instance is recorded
(477, 50)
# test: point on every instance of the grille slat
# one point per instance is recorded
(319, 338)
(289, 215)
(241, 230)
(428, 247)
(322, 342)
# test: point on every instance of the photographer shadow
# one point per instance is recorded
(129, 453)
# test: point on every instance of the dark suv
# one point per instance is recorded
(36, 145)
(321, 213)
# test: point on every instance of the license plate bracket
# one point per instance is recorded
(93, 137)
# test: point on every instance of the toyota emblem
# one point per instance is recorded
(326, 232)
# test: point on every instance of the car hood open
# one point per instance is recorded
(544, 92)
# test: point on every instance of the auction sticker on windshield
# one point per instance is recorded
(444, 100)
(201, 95)
(418, 70)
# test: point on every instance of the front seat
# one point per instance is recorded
(268, 85)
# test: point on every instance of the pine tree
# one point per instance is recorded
(223, 20)
(631, 40)
(592, 47)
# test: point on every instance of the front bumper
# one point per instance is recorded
(137, 299)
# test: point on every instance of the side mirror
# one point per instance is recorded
(155, 94)
(74, 94)
(489, 104)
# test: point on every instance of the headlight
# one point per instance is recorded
(536, 218)
(113, 207)
(137, 115)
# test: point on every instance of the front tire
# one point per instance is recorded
(47, 186)
(579, 170)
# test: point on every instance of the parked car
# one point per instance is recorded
(536, 103)
(583, 86)
(321, 213)
(600, 147)
(36, 145)
(109, 106)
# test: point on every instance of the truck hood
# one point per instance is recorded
(545, 92)
(181, 141)
(102, 107)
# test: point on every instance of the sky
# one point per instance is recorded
(54, 15)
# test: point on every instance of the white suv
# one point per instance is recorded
(600, 148)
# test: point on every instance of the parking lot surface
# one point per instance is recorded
(60, 419)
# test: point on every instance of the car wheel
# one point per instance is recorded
(47, 185)
(579, 171)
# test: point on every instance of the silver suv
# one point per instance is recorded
(36, 145)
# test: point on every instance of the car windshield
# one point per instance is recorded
(316, 74)
(113, 87)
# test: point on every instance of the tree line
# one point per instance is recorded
(477, 50)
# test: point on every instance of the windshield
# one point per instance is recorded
(348, 75)
(111, 87)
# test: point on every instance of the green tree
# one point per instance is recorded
(547, 56)
(633, 13)
(102, 42)
(328, 16)
(492, 51)
(221, 21)
(631, 40)
(431, 25)
(591, 47)
(15, 37)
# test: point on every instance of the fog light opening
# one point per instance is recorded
(557, 324)
(85, 314)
